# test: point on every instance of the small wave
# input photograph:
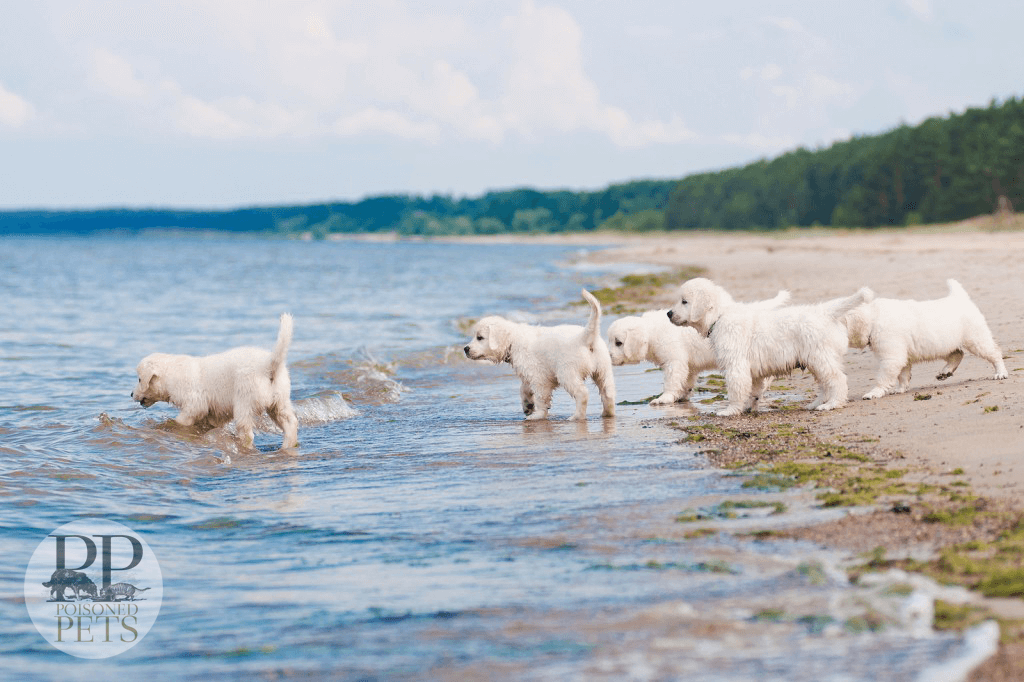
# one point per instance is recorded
(324, 408)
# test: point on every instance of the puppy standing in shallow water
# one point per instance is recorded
(547, 357)
(240, 384)
(902, 332)
(752, 343)
(680, 352)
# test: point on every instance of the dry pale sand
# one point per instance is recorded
(970, 421)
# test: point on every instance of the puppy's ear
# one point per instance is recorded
(700, 305)
(147, 373)
(634, 344)
(496, 338)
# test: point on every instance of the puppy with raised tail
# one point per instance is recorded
(902, 332)
(680, 352)
(752, 343)
(240, 384)
(547, 357)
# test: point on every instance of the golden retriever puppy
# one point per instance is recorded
(547, 357)
(240, 384)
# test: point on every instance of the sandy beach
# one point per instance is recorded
(970, 421)
(970, 425)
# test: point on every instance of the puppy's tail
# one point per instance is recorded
(284, 339)
(955, 289)
(780, 299)
(593, 329)
(840, 307)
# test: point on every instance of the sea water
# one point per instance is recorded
(422, 530)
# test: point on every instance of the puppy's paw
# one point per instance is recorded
(942, 376)
(1001, 375)
(536, 416)
(729, 412)
(664, 399)
(528, 409)
(874, 393)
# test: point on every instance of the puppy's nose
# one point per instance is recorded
(466, 350)
(670, 314)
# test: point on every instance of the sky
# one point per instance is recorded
(228, 103)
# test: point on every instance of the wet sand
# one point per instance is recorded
(970, 421)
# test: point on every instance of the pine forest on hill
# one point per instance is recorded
(945, 169)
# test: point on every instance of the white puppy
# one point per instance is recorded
(547, 357)
(752, 343)
(239, 384)
(902, 332)
(680, 352)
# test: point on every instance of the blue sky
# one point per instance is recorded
(233, 103)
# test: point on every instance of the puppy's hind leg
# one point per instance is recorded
(952, 362)
(833, 385)
(578, 390)
(286, 420)
(604, 378)
(985, 347)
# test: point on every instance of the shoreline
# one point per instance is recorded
(951, 446)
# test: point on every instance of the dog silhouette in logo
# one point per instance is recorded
(64, 578)
(126, 590)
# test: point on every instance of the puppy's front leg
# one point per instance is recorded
(186, 419)
(757, 387)
(675, 387)
(738, 385)
(526, 395)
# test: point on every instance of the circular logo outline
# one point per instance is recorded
(93, 588)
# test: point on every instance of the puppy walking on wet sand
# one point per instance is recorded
(680, 352)
(902, 332)
(752, 343)
(547, 357)
(240, 384)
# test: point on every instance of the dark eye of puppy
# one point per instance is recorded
(683, 302)
(479, 337)
(618, 343)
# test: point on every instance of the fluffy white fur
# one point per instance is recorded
(680, 352)
(547, 357)
(752, 343)
(240, 384)
(902, 332)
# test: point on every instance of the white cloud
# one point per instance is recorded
(306, 68)
(15, 111)
(548, 88)
(374, 121)
(236, 117)
(922, 9)
(761, 142)
(115, 76)
(768, 72)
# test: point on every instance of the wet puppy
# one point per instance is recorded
(902, 332)
(240, 384)
(752, 343)
(547, 357)
(680, 352)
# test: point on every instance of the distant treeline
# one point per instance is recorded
(944, 169)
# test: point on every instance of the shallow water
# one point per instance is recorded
(422, 530)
